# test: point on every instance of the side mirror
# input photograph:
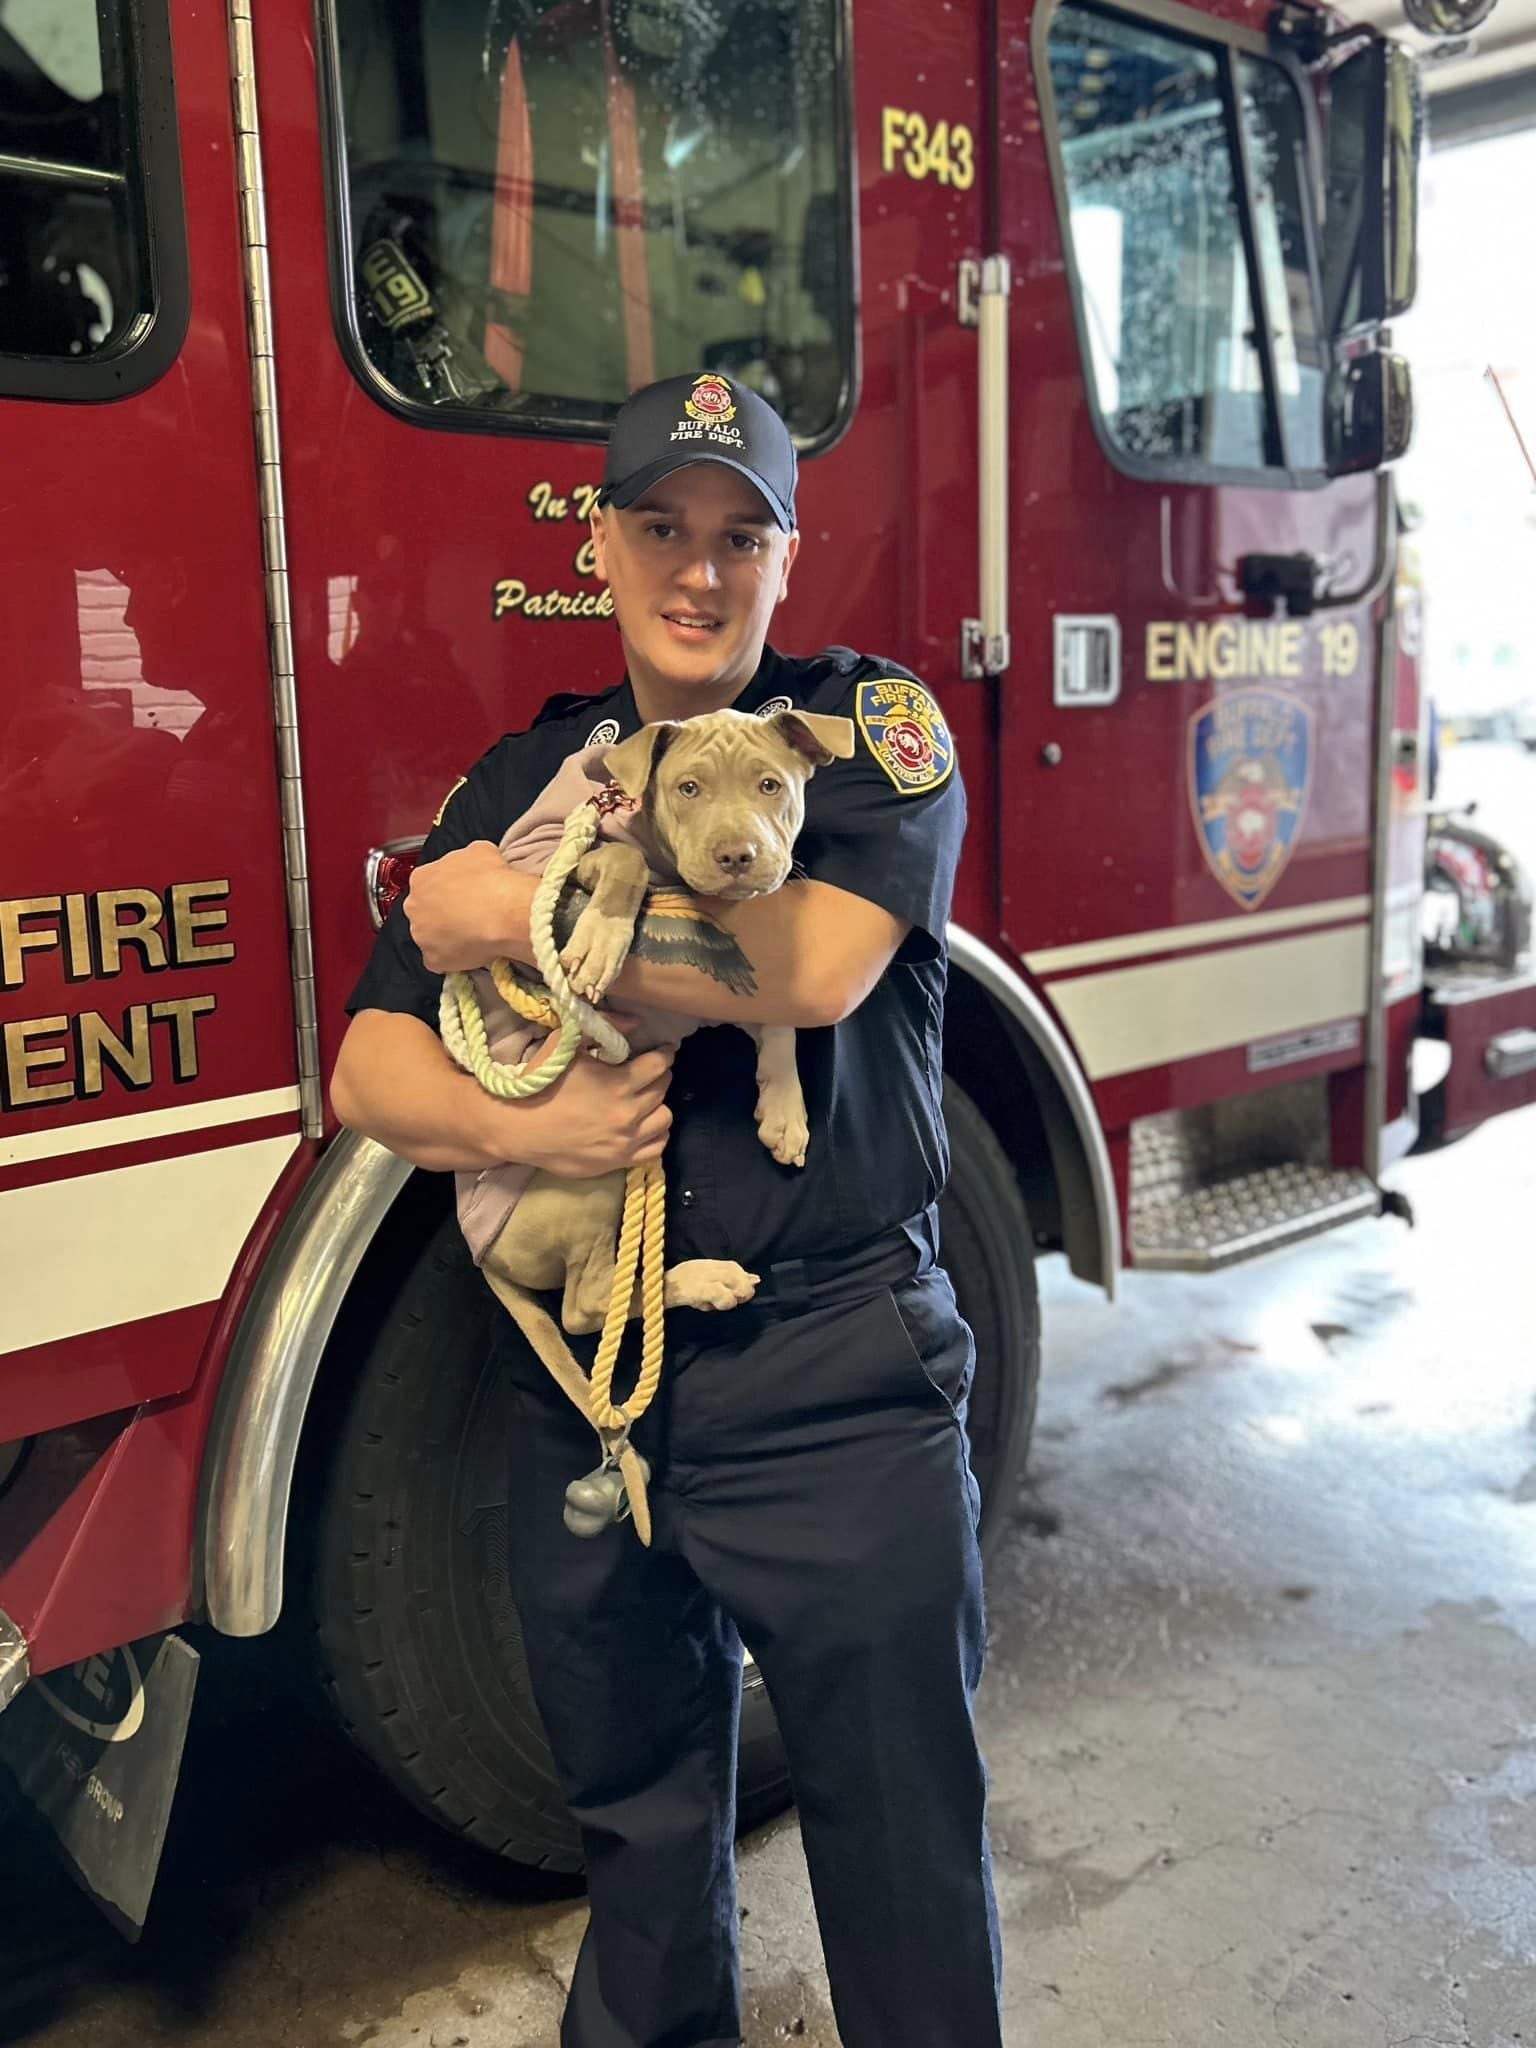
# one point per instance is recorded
(1375, 134)
(1370, 412)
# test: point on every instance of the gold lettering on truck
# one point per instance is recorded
(1228, 650)
(97, 936)
(23, 1059)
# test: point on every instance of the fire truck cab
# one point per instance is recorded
(312, 319)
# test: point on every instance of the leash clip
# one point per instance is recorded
(610, 798)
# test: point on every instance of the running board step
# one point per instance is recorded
(1229, 1220)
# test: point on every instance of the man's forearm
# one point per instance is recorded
(806, 955)
(765, 961)
(394, 1082)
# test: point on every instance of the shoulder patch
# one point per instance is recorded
(905, 731)
(448, 799)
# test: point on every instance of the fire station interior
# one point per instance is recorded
(1252, 1414)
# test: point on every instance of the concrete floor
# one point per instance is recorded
(1261, 1714)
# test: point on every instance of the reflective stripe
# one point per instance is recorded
(1181, 938)
(149, 1123)
(1132, 1017)
(108, 1248)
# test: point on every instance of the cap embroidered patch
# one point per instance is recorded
(710, 407)
(710, 399)
(905, 731)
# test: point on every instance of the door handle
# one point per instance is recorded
(984, 641)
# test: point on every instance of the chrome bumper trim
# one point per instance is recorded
(15, 1665)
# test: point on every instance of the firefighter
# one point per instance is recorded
(811, 1495)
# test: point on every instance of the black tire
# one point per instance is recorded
(988, 1246)
(419, 1645)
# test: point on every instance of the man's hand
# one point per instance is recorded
(394, 1082)
(468, 908)
(595, 1119)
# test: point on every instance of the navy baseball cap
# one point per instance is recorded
(706, 418)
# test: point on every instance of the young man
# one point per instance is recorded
(811, 1486)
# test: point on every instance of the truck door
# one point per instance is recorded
(148, 1093)
(1187, 860)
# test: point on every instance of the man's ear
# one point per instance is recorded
(790, 553)
(632, 762)
(818, 738)
(599, 543)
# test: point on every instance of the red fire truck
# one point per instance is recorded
(312, 317)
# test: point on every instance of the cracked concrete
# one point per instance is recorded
(1260, 1711)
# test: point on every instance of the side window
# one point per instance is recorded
(92, 250)
(1278, 166)
(1155, 173)
(546, 203)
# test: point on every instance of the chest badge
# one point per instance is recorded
(774, 706)
(1250, 776)
(905, 731)
(605, 734)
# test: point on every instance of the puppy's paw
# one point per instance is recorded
(782, 1126)
(595, 952)
(709, 1283)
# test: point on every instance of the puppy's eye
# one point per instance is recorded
(770, 785)
(688, 788)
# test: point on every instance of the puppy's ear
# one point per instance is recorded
(632, 762)
(815, 736)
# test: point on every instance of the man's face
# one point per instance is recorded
(696, 567)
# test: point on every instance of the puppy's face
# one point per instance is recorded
(724, 794)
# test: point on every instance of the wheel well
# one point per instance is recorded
(1003, 1071)
(385, 1266)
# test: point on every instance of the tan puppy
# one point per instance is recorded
(720, 801)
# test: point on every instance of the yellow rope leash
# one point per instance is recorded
(555, 1006)
(529, 1002)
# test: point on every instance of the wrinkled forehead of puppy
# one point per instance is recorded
(733, 744)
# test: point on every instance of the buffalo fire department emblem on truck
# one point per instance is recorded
(1250, 777)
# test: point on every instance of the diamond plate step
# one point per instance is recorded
(1237, 1219)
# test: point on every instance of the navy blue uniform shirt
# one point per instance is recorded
(886, 826)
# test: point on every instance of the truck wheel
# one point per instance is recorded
(988, 1245)
(419, 1644)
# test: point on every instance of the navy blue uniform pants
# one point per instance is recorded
(811, 1496)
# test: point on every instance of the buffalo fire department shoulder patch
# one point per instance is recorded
(905, 731)
(1250, 776)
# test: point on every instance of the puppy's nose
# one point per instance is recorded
(735, 860)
